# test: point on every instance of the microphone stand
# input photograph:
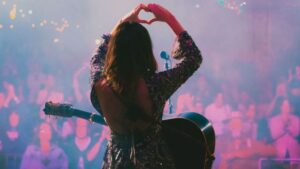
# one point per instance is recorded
(168, 65)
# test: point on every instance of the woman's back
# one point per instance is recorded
(115, 109)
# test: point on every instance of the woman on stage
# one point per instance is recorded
(130, 94)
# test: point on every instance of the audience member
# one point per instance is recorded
(285, 127)
(10, 96)
(218, 112)
(14, 141)
(84, 149)
(250, 124)
(188, 103)
(45, 155)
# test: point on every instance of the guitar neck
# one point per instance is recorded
(88, 116)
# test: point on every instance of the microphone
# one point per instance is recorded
(164, 55)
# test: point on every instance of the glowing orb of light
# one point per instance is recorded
(53, 23)
(55, 40)
(30, 12)
(21, 10)
(77, 26)
(41, 24)
(1, 26)
(243, 4)
(197, 6)
(33, 25)
(23, 15)
(13, 12)
(11, 26)
(3, 3)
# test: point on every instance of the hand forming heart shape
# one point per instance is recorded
(133, 16)
(160, 14)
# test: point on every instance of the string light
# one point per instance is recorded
(63, 26)
(13, 12)
(232, 5)
(58, 26)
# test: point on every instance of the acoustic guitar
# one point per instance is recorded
(190, 136)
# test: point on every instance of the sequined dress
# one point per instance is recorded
(151, 150)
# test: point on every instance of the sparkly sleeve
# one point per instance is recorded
(96, 70)
(169, 81)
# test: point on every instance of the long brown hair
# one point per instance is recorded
(129, 58)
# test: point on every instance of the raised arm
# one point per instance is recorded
(169, 81)
(163, 15)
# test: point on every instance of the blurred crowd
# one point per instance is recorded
(29, 138)
(252, 129)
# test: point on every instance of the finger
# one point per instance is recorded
(141, 7)
(152, 7)
(152, 20)
(142, 21)
(144, 7)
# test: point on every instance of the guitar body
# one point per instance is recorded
(191, 140)
(190, 136)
